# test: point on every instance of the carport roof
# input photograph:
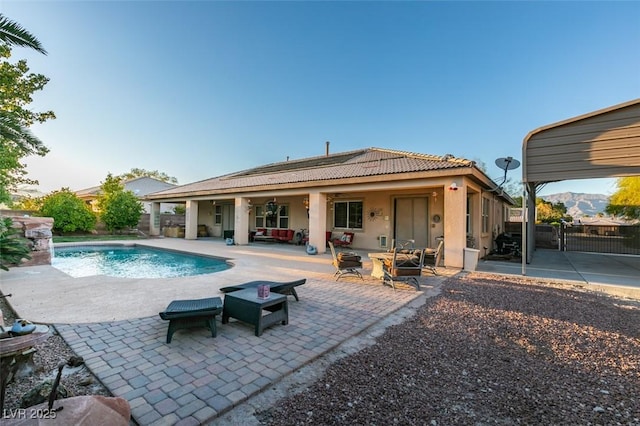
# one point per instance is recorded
(600, 144)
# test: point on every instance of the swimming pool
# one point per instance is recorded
(132, 262)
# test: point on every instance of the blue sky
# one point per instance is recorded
(200, 89)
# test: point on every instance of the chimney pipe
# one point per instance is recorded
(327, 150)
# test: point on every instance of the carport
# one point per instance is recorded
(600, 144)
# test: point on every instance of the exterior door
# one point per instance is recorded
(411, 220)
(228, 220)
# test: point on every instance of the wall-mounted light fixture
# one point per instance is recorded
(249, 206)
(453, 186)
(305, 203)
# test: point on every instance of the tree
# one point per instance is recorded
(155, 174)
(69, 212)
(625, 201)
(548, 212)
(111, 186)
(13, 247)
(121, 211)
(17, 87)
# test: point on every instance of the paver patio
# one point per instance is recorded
(196, 377)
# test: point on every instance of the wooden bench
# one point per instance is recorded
(286, 288)
(192, 313)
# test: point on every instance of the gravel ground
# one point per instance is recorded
(488, 350)
(49, 354)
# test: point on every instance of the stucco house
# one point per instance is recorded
(378, 194)
(140, 186)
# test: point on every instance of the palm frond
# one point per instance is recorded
(22, 137)
(12, 33)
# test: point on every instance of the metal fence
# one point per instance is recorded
(601, 238)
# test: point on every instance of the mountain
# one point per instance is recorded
(579, 205)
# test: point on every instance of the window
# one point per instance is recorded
(260, 217)
(283, 217)
(486, 203)
(278, 218)
(347, 214)
(218, 215)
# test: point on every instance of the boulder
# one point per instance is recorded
(87, 410)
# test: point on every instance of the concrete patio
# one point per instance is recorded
(609, 273)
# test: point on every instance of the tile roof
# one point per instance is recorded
(353, 164)
(141, 186)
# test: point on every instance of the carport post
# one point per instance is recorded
(523, 243)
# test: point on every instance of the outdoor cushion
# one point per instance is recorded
(348, 257)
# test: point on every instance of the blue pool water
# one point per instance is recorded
(132, 262)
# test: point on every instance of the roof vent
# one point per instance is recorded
(327, 148)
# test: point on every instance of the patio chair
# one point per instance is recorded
(432, 260)
(344, 241)
(402, 244)
(286, 288)
(345, 263)
(404, 267)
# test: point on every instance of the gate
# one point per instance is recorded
(618, 239)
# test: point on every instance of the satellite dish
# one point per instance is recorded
(507, 163)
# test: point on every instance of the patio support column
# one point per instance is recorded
(191, 221)
(154, 219)
(318, 221)
(241, 224)
(455, 229)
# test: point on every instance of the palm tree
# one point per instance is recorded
(12, 33)
(12, 131)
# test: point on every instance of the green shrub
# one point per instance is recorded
(69, 213)
(121, 210)
(13, 247)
